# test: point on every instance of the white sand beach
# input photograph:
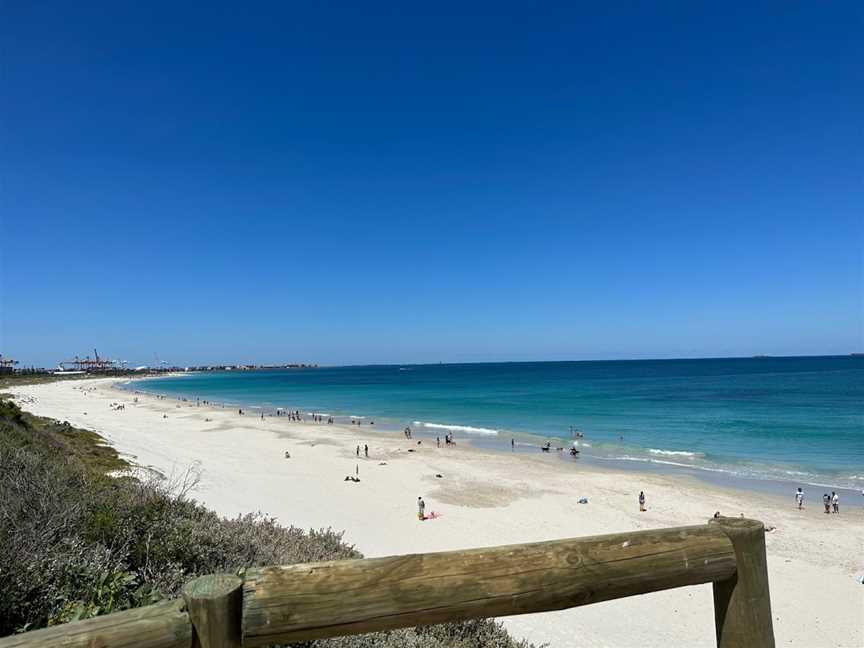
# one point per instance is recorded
(484, 498)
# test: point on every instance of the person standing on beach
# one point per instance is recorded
(438, 441)
(835, 502)
(358, 450)
(366, 450)
(641, 501)
(826, 500)
(799, 498)
(421, 509)
(513, 444)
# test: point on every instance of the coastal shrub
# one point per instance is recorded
(481, 633)
(75, 543)
(45, 565)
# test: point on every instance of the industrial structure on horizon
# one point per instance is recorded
(97, 364)
(88, 364)
(7, 364)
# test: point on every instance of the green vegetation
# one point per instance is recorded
(23, 430)
(76, 543)
(9, 379)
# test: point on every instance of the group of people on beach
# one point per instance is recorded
(365, 450)
(830, 502)
(292, 415)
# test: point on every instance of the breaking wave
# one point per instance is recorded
(675, 453)
(456, 428)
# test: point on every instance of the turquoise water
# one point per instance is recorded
(798, 419)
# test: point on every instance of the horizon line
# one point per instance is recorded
(312, 365)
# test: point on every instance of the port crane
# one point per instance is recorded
(7, 363)
(87, 364)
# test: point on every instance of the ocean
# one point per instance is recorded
(798, 419)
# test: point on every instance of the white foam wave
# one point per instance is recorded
(665, 463)
(807, 478)
(674, 453)
(456, 428)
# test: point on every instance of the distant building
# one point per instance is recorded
(7, 364)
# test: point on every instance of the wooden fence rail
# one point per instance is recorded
(273, 605)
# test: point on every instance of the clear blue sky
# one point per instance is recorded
(419, 182)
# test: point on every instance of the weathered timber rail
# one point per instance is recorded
(272, 605)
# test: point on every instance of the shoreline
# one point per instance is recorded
(780, 487)
(484, 498)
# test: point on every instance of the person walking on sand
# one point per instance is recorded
(358, 450)
(421, 509)
(826, 500)
(641, 501)
(799, 498)
(366, 450)
(835, 502)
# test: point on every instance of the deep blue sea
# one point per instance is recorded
(795, 419)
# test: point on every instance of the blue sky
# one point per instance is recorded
(358, 182)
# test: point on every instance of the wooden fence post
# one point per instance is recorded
(215, 606)
(742, 604)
